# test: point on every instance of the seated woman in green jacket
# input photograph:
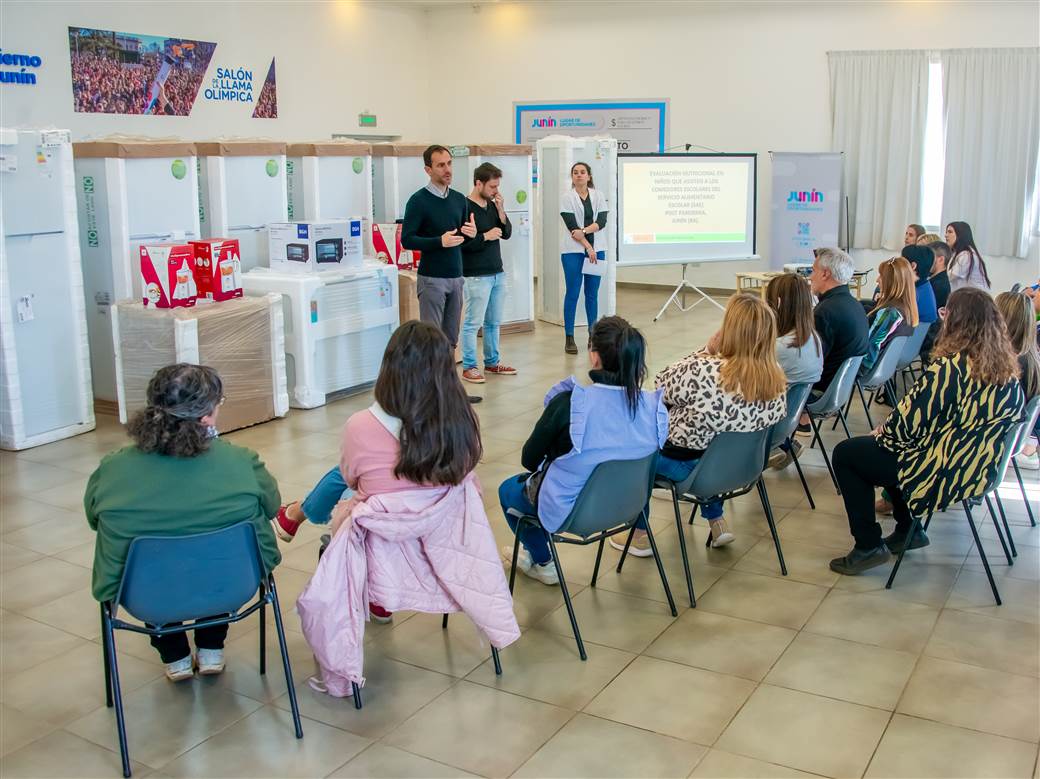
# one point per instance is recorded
(178, 479)
(943, 442)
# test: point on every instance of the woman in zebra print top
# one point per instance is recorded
(943, 441)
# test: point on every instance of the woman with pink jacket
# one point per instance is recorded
(411, 532)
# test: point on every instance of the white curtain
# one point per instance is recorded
(991, 116)
(879, 100)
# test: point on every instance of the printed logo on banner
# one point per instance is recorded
(805, 200)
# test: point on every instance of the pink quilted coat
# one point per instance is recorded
(428, 550)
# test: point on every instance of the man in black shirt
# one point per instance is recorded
(485, 279)
(436, 224)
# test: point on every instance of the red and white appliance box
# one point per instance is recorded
(218, 268)
(167, 275)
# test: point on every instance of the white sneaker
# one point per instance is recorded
(720, 533)
(546, 574)
(179, 670)
(1029, 462)
(211, 661)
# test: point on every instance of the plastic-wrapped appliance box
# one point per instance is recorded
(242, 189)
(337, 325)
(243, 339)
(45, 392)
(398, 173)
(129, 192)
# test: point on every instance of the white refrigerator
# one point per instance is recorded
(398, 172)
(44, 358)
(518, 252)
(330, 180)
(127, 193)
(242, 189)
(556, 155)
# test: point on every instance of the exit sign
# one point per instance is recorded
(367, 120)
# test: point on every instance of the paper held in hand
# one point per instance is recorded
(598, 268)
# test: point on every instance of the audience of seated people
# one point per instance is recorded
(418, 444)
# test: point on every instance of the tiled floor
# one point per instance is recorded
(809, 674)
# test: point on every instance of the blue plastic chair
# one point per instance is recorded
(833, 400)
(613, 499)
(1008, 448)
(783, 431)
(1031, 412)
(882, 376)
(170, 579)
(911, 351)
(731, 466)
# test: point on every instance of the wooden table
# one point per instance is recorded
(756, 281)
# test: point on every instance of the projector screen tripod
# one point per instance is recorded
(678, 296)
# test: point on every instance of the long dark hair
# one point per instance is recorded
(587, 170)
(417, 383)
(966, 243)
(179, 396)
(622, 352)
(791, 300)
(974, 327)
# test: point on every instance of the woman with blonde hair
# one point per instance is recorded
(734, 384)
(895, 312)
(1017, 310)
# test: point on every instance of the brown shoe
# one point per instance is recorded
(500, 370)
(473, 376)
(569, 346)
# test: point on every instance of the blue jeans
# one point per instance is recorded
(511, 495)
(678, 471)
(329, 491)
(484, 298)
(574, 278)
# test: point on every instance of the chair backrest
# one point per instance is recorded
(731, 462)
(912, 347)
(1032, 410)
(797, 394)
(885, 366)
(839, 390)
(615, 493)
(178, 578)
(1008, 449)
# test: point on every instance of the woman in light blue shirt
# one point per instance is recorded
(798, 347)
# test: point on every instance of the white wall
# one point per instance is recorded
(740, 76)
(333, 60)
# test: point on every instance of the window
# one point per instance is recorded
(933, 170)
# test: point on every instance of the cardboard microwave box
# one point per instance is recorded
(167, 275)
(305, 247)
(218, 268)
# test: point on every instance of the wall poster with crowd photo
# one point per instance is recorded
(125, 73)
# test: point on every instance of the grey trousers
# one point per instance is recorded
(440, 304)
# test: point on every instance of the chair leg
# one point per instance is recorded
(768, 509)
(444, 622)
(280, 630)
(660, 569)
(1007, 527)
(567, 598)
(866, 406)
(693, 512)
(497, 661)
(823, 451)
(104, 657)
(682, 547)
(624, 552)
(848, 408)
(1025, 495)
(108, 638)
(798, 467)
(357, 694)
(899, 560)
(982, 552)
(516, 551)
(1000, 534)
(844, 424)
(599, 556)
(263, 638)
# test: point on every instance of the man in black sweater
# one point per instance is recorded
(437, 223)
(485, 278)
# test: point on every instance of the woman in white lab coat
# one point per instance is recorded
(584, 213)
